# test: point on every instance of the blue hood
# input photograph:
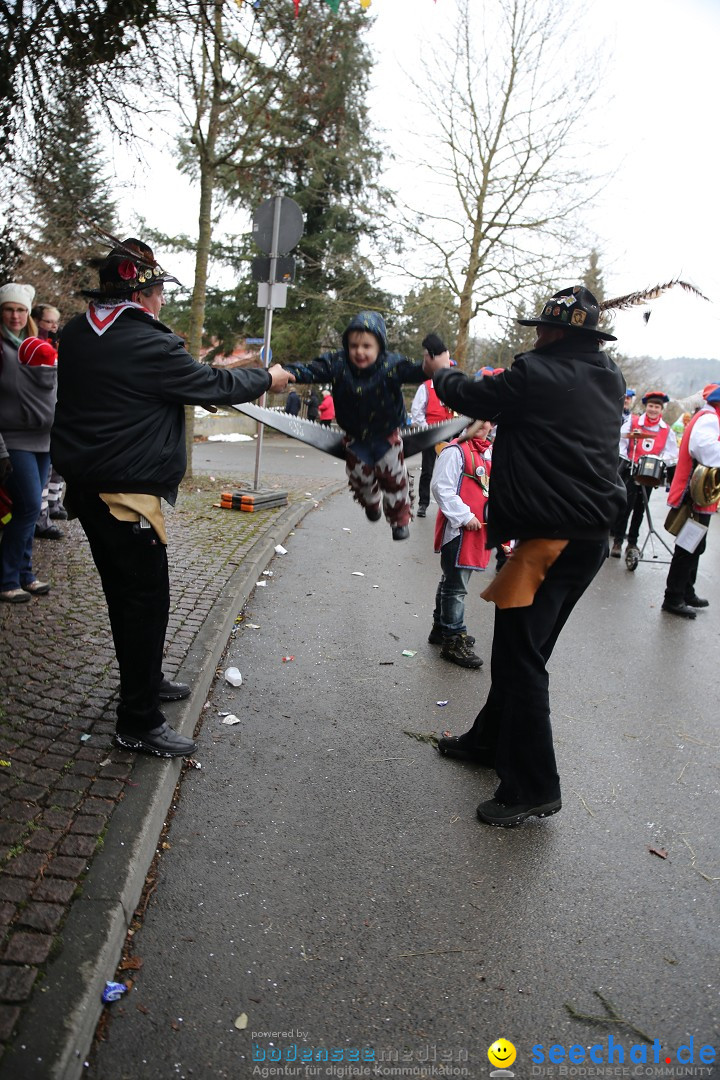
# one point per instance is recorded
(370, 322)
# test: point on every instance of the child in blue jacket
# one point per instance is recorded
(366, 383)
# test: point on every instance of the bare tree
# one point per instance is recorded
(511, 115)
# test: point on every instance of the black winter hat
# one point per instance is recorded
(434, 345)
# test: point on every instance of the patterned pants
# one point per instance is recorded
(387, 476)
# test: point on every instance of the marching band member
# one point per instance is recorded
(700, 446)
(641, 436)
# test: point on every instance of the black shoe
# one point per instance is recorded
(460, 747)
(400, 532)
(173, 691)
(457, 650)
(696, 601)
(50, 533)
(421, 511)
(373, 513)
(161, 741)
(616, 550)
(497, 813)
(59, 514)
(685, 610)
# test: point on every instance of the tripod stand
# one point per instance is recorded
(634, 556)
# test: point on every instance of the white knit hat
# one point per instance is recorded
(14, 293)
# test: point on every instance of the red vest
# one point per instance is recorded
(686, 464)
(435, 410)
(472, 552)
(654, 443)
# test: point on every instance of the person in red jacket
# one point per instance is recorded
(428, 409)
(460, 487)
(326, 409)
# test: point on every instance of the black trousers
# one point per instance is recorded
(133, 569)
(429, 457)
(680, 584)
(514, 724)
(634, 507)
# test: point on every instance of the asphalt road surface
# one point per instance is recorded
(327, 877)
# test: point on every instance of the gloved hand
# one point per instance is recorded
(35, 352)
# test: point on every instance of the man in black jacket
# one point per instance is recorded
(555, 489)
(119, 440)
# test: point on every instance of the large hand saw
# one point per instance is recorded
(330, 439)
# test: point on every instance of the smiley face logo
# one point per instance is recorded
(501, 1054)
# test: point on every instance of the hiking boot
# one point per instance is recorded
(457, 650)
(463, 748)
(616, 550)
(52, 532)
(493, 812)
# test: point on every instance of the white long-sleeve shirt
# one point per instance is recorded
(704, 445)
(444, 486)
(418, 409)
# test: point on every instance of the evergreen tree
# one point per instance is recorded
(67, 184)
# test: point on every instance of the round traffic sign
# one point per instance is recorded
(269, 355)
(290, 227)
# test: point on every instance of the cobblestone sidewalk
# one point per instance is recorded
(60, 776)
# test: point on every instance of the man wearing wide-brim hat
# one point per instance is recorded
(124, 379)
(699, 449)
(555, 489)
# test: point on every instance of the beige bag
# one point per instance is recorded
(677, 516)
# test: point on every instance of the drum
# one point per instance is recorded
(649, 471)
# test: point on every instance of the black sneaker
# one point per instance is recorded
(683, 610)
(373, 513)
(161, 741)
(458, 650)
(422, 511)
(50, 533)
(461, 748)
(497, 813)
(173, 691)
(400, 532)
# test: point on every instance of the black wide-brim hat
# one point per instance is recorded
(573, 309)
(129, 268)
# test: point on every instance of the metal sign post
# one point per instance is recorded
(277, 227)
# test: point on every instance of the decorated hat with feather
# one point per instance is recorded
(577, 309)
(129, 267)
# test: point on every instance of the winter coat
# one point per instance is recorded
(558, 411)
(120, 420)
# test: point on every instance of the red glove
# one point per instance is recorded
(35, 352)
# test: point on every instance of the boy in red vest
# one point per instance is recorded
(428, 409)
(700, 446)
(639, 436)
(460, 487)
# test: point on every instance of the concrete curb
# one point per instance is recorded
(57, 1029)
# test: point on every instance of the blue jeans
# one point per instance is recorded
(24, 486)
(449, 613)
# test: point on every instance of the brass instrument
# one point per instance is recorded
(705, 485)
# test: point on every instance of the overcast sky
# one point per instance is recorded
(658, 216)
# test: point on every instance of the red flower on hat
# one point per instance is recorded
(127, 270)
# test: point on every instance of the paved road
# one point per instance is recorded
(326, 874)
